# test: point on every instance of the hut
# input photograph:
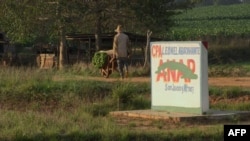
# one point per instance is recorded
(81, 47)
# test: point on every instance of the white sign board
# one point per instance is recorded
(179, 76)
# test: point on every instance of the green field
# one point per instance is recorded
(225, 21)
(225, 28)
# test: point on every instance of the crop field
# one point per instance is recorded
(226, 21)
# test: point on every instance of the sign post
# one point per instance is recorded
(179, 76)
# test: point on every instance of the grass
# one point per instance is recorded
(241, 106)
(36, 107)
(78, 125)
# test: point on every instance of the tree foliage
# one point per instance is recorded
(40, 20)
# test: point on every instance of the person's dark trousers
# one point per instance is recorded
(122, 64)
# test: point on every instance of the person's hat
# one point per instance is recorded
(119, 28)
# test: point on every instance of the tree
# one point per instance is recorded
(28, 18)
(39, 21)
(48, 20)
(14, 18)
(146, 58)
(156, 15)
(104, 15)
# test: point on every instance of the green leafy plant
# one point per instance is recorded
(99, 59)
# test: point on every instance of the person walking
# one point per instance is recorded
(121, 51)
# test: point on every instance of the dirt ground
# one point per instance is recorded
(230, 81)
(213, 81)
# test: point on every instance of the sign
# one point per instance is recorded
(179, 76)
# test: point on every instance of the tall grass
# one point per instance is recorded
(33, 106)
(77, 125)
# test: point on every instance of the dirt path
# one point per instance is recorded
(230, 81)
(214, 81)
